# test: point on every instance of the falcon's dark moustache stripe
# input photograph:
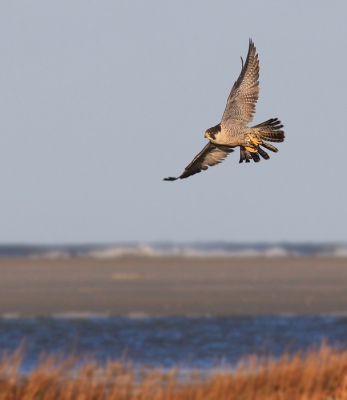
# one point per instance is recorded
(215, 129)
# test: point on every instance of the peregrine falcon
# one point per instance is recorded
(233, 131)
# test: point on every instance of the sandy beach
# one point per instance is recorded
(136, 286)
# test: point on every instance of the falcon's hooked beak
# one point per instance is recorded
(207, 135)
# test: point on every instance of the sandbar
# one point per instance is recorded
(172, 286)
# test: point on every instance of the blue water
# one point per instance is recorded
(171, 341)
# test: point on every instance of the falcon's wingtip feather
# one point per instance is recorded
(170, 178)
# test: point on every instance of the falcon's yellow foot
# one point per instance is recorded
(251, 149)
(255, 140)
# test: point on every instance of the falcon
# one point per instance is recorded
(233, 131)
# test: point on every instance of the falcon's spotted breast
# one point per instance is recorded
(233, 131)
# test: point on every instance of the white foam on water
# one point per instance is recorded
(189, 250)
(119, 251)
(51, 255)
(275, 251)
(340, 251)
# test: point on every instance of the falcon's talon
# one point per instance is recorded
(255, 140)
(251, 149)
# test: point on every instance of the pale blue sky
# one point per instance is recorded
(100, 100)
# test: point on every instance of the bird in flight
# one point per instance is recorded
(233, 131)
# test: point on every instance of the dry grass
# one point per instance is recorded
(320, 374)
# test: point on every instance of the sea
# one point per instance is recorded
(201, 343)
(189, 343)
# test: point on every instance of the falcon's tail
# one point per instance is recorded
(270, 130)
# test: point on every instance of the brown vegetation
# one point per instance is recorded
(320, 374)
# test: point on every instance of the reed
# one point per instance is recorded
(316, 375)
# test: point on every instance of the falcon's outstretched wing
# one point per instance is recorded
(210, 155)
(240, 106)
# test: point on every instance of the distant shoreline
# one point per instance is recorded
(182, 286)
(189, 250)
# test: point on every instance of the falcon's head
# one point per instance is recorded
(212, 133)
